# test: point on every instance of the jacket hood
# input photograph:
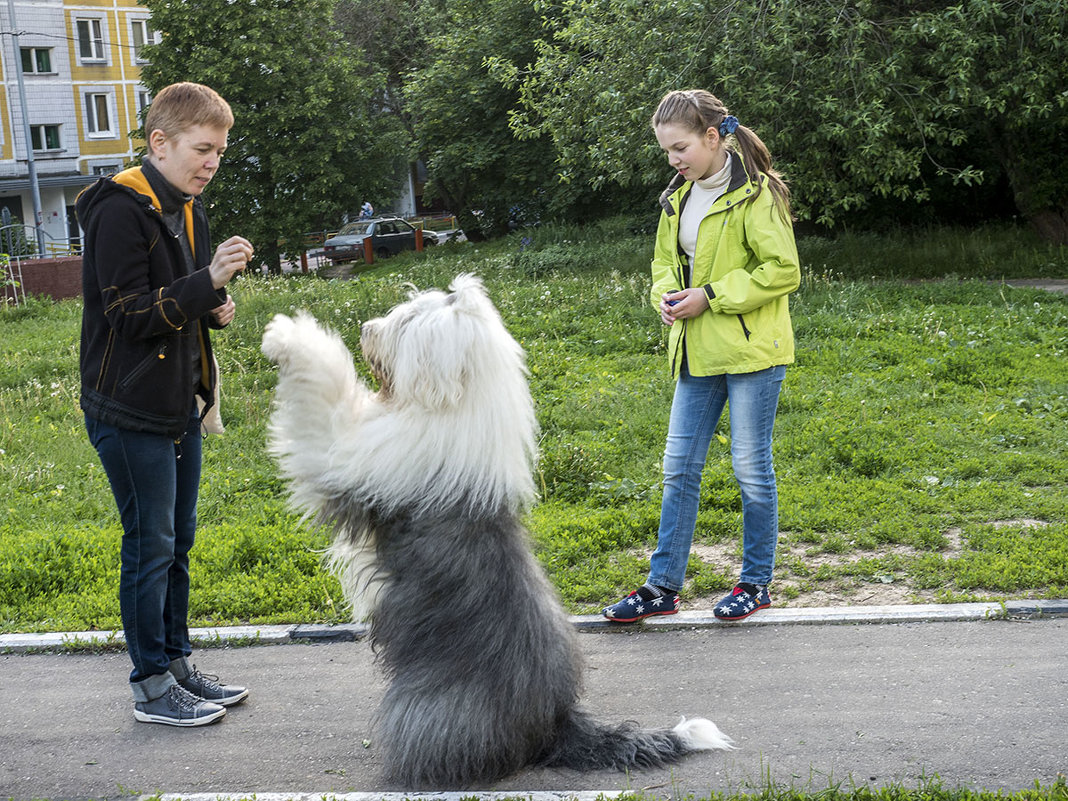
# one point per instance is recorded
(133, 183)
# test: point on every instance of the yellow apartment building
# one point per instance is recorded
(81, 66)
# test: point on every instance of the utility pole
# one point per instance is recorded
(35, 189)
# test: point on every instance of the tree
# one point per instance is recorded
(857, 99)
(390, 36)
(459, 114)
(439, 62)
(1005, 66)
(308, 143)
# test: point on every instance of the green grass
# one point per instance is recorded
(921, 444)
(993, 252)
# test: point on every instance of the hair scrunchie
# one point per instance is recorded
(729, 125)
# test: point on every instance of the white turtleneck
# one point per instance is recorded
(704, 193)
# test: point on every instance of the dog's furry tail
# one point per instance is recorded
(584, 744)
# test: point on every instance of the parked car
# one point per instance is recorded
(389, 236)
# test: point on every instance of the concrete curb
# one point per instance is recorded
(288, 633)
(584, 795)
(830, 615)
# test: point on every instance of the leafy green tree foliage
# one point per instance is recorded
(1005, 66)
(306, 146)
(460, 114)
(390, 37)
(859, 100)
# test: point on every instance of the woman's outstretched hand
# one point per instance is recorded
(230, 257)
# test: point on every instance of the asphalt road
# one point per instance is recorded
(981, 704)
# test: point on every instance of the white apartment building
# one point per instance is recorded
(81, 70)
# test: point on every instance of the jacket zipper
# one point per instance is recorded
(144, 366)
(745, 330)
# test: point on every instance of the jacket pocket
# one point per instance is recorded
(144, 366)
(745, 328)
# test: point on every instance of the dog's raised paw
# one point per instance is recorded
(276, 336)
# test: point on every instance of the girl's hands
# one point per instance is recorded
(682, 305)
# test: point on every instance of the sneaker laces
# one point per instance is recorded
(179, 698)
(204, 681)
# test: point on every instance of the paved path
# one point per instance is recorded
(970, 699)
(1049, 284)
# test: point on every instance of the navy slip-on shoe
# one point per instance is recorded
(634, 607)
(739, 604)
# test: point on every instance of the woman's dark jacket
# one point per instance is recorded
(146, 316)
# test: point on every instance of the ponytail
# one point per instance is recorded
(757, 159)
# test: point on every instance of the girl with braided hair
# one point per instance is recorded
(724, 263)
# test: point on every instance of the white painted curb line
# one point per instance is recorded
(585, 795)
(910, 613)
(829, 615)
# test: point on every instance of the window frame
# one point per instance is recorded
(149, 37)
(92, 115)
(142, 99)
(34, 60)
(41, 129)
(99, 53)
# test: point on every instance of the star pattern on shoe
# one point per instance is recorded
(739, 604)
(633, 607)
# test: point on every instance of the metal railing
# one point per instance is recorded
(11, 281)
(18, 244)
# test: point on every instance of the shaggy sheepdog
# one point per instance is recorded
(424, 483)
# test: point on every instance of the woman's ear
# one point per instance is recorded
(156, 140)
(712, 136)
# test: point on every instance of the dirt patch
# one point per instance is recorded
(840, 591)
(1023, 522)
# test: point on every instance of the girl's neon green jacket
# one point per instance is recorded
(747, 264)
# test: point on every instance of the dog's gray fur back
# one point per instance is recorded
(484, 665)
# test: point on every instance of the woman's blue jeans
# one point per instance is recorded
(155, 480)
(695, 411)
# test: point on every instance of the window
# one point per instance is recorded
(105, 169)
(144, 97)
(141, 35)
(90, 40)
(97, 114)
(44, 137)
(36, 59)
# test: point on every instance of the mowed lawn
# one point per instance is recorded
(921, 445)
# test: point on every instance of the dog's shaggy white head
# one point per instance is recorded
(454, 420)
(440, 349)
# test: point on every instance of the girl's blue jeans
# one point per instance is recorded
(156, 492)
(752, 399)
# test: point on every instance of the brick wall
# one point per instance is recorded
(57, 278)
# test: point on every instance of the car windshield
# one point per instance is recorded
(354, 228)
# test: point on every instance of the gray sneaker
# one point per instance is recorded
(178, 707)
(207, 688)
